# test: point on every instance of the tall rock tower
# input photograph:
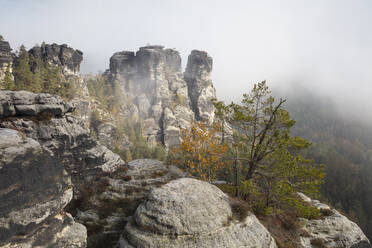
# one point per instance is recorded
(156, 90)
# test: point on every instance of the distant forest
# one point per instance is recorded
(344, 145)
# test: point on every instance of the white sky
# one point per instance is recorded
(322, 44)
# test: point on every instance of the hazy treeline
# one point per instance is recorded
(344, 145)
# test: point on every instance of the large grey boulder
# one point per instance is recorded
(332, 231)
(34, 189)
(190, 213)
(119, 194)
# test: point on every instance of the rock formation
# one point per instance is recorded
(6, 60)
(48, 121)
(191, 213)
(332, 231)
(34, 189)
(199, 83)
(157, 92)
(62, 56)
(106, 211)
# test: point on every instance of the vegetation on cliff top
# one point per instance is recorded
(33, 74)
(263, 158)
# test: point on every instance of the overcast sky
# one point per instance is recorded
(324, 45)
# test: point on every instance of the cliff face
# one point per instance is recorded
(199, 83)
(6, 59)
(59, 55)
(34, 189)
(157, 92)
(49, 172)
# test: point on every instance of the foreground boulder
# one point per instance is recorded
(332, 231)
(191, 213)
(34, 189)
(106, 209)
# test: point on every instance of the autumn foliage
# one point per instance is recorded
(200, 152)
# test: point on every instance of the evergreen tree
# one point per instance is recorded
(22, 73)
(272, 170)
(8, 80)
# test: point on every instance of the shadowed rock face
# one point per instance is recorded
(106, 212)
(59, 55)
(191, 213)
(70, 146)
(156, 91)
(34, 188)
(5, 53)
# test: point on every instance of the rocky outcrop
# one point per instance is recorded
(65, 137)
(67, 58)
(34, 189)
(191, 213)
(58, 131)
(332, 231)
(24, 103)
(199, 82)
(106, 211)
(156, 91)
(106, 134)
(6, 60)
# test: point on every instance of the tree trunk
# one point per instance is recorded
(236, 174)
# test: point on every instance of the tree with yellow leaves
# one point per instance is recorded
(200, 152)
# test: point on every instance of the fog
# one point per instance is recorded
(324, 46)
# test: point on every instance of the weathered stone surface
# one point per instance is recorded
(333, 231)
(58, 232)
(59, 55)
(200, 87)
(156, 91)
(106, 133)
(34, 189)
(5, 53)
(6, 61)
(67, 139)
(24, 103)
(191, 213)
(106, 212)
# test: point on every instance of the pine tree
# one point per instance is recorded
(272, 169)
(23, 77)
(8, 79)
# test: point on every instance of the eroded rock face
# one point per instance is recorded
(191, 213)
(64, 136)
(62, 56)
(199, 82)
(156, 90)
(6, 60)
(332, 231)
(24, 103)
(34, 189)
(106, 212)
